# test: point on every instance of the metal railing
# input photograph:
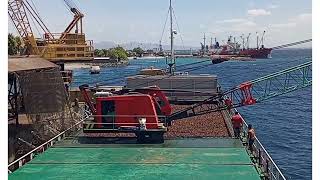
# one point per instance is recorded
(266, 164)
(116, 124)
(40, 149)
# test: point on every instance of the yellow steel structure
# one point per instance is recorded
(65, 46)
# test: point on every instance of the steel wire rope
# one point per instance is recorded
(36, 10)
(230, 89)
(75, 5)
(121, 78)
(34, 24)
(292, 44)
(165, 77)
(178, 28)
(291, 61)
(66, 6)
(190, 69)
(164, 26)
(196, 68)
(35, 16)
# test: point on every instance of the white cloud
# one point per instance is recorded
(258, 12)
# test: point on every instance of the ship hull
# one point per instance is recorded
(256, 53)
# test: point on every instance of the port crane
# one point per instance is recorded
(76, 22)
(65, 46)
(147, 112)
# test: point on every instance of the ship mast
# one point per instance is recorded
(172, 59)
(248, 41)
(204, 42)
(257, 40)
(262, 45)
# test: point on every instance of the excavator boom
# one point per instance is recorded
(252, 92)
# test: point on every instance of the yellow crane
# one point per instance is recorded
(65, 46)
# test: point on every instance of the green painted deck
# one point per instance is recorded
(209, 158)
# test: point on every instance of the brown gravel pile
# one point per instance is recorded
(208, 125)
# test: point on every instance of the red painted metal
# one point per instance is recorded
(160, 98)
(83, 90)
(256, 53)
(247, 98)
(129, 108)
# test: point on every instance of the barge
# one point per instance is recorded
(183, 155)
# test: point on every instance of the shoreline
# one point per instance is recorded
(87, 65)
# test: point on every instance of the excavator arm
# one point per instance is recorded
(83, 89)
(252, 92)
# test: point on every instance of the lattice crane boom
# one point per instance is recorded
(18, 15)
(252, 92)
(76, 21)
(18, 11)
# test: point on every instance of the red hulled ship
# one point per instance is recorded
(232, 47)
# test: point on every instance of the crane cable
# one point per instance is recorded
(33, 22)
(178, 28)
(190, 69)
(204, 66)
(71, 4)
(36, 10)
(164, 26)
(182, 65)
(292, 44)
(66, 6)
(165, 77)
(234, 76)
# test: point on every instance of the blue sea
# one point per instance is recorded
(283, 124)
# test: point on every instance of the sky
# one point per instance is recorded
(124, 21)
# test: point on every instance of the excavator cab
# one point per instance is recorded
(131, 113)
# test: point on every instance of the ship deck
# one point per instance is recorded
(196, 147)
(81, 157)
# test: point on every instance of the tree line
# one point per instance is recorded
(118, 53)
(15, 45)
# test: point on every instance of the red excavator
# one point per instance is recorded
(142, 112)
(147, 111)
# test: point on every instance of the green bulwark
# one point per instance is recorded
(210, 158)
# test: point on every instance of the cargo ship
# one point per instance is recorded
(232, 47)
(261, 53)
